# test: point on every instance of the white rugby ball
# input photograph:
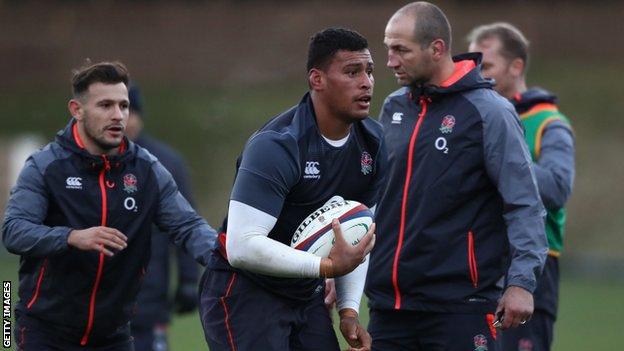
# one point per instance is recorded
(315, 234)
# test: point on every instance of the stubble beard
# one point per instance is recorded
(98, 138)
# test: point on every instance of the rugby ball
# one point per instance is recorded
(315, 234)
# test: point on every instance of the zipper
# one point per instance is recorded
(38, 286)
(472, 261)
(98, 277)
(395, 274)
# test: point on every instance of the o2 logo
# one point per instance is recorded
(130, 204)
(440, 144)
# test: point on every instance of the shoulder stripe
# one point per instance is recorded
(545, 106)
(540, 131)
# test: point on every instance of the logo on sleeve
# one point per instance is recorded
(367, 163)
(73, 183)
(312, 170)
(448, 122)
(397, 118)
(129, 183)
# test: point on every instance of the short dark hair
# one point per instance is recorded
(325, 44)
(513, 43)
(101, 72)
(431, 23)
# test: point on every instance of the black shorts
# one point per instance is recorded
(239, 315)
(32, 335)
(426, 331)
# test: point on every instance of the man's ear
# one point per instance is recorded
(316, 79)
(438, 49)
(75, 109)
(516, 67)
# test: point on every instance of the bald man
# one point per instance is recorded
(460, 210)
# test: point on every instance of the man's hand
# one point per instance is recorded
(98, 238)
(343, 257)
(330, 293)
(516, 307)
(356, 335)
(185, 300)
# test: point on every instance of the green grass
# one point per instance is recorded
(591, 317)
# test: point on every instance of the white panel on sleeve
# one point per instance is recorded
(249, 247)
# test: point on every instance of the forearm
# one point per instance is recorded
(176, 217)
(197, 240)
(22, 237)
(528, 248)
(349, 287)
(249, 247)
(260, 254)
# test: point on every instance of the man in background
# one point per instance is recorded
(549, 137)
(154, 305)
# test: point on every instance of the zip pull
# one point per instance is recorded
(423, 100)
(107, 165)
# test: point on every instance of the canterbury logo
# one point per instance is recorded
(397, 118)
(311, 170)
(73, 183)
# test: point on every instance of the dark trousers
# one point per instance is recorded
(537, 333)
(33, 335)
(239, 315)
(426, 331)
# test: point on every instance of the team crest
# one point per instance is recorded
(367, 163)
(480, 343)
(448, 122)
(130, 183)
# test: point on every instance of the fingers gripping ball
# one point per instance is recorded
(315, 233)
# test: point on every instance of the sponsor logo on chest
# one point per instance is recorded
(312, 170)
(73, 183)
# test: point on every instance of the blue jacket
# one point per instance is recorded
(84, 295)
(460, 209)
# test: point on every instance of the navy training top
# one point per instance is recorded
(289, 170)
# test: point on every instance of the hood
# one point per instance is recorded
(69, 139)
(523, 102)
(467, 76)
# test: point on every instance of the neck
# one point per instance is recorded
(331, 125)
(91, 145)
(519, 87)
(445, 70)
